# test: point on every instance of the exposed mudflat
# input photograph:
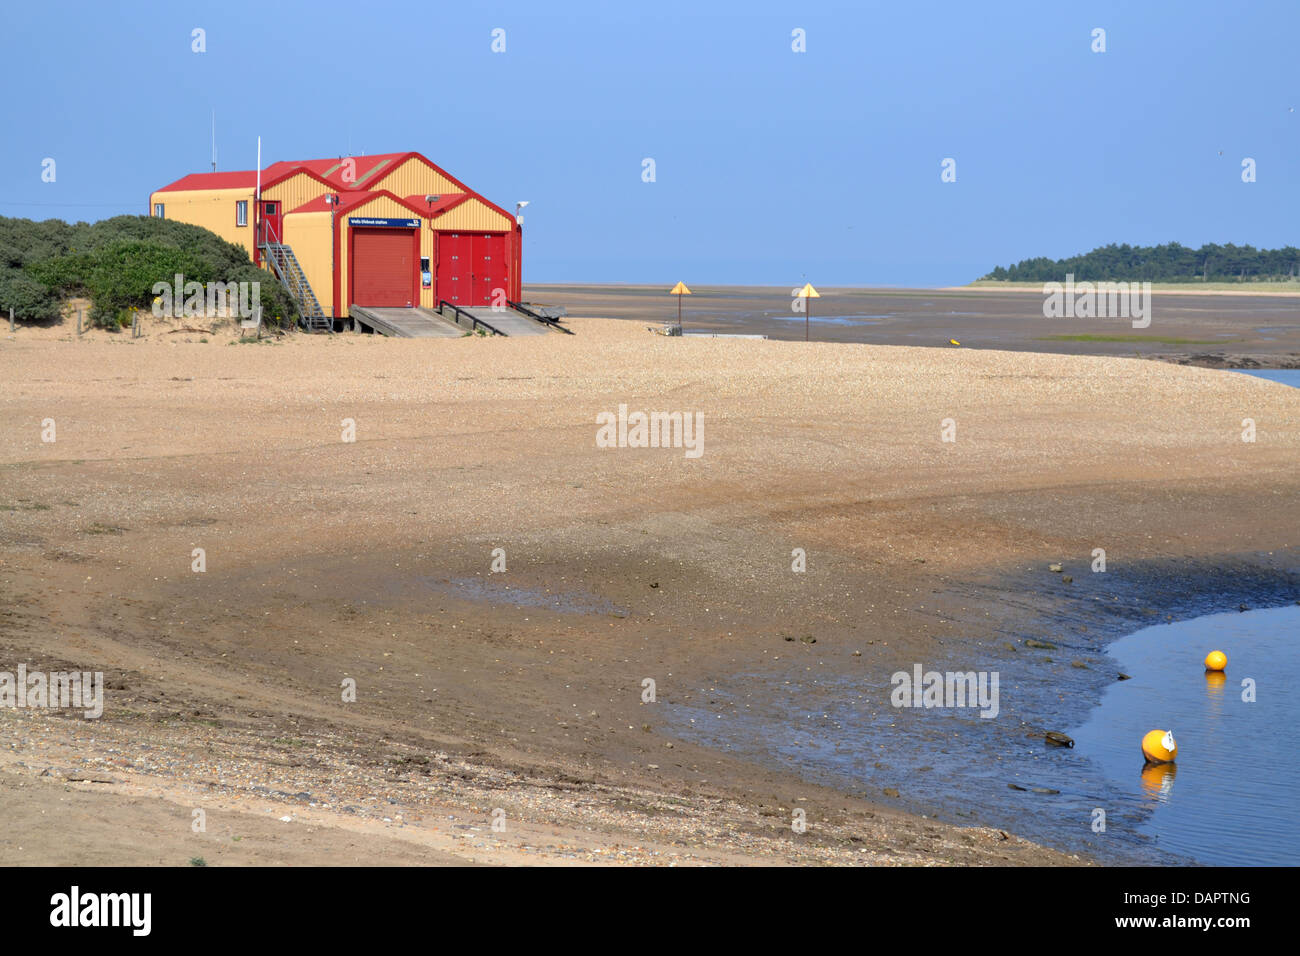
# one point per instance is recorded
(1205, 329)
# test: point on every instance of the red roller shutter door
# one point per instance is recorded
(383, 267)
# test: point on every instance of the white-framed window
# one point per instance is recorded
(241, 212)
(158, 211)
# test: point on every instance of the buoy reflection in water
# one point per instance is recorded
(1158, 779)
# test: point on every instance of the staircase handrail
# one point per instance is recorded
(545, 320)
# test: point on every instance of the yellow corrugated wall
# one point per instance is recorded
(381, 207)
(474, 214)
(294, 191)
(411, 178)
(308, 234)
(212, 209)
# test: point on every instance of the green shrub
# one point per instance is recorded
(122, 275)
(117, 262)
(28, 297)
(23, 241)
(64, 274)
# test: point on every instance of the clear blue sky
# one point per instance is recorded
(771, 165)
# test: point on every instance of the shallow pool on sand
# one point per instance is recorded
(1233, 795)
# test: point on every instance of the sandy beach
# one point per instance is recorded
(329, 560)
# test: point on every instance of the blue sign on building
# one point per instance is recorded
(393, 223)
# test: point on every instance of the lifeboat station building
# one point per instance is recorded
(356, 234)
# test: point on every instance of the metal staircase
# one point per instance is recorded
(284, 265)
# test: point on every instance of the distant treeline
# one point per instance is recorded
(1171, 262)
(116, 263)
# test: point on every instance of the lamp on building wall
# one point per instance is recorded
(519, 220)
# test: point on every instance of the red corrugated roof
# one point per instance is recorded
(245, 179)
(440, 205)
(350, 200)
(346, 201)
(276, 170)
(365, 168)
(368, 169)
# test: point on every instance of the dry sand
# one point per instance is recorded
(369, 560)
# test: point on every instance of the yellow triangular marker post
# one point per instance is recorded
(806, 293)
(679, 290)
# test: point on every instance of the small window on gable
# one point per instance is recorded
(241, 212)
(158, 210)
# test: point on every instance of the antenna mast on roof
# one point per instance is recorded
(214, 141)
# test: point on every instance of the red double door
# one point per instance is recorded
(471, 267)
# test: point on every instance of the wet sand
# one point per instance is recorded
(370, 560)
(1222, 330)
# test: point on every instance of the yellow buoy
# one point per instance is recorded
(1216, 661)
(1158, 746)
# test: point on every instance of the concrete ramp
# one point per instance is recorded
(405, 323)
(509, 322)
